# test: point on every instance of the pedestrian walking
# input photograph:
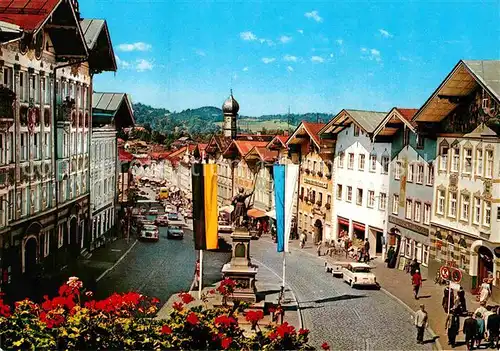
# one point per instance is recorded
(481, 309)
(461, 295)
(485, 293)
(319, 248)
(414, 266)
(421, 320)
(452, 327)
(366, 253)
(447, 300)
(416, 281)
(346, 247)
(480, 329)
(470, 331)
(493, 328)
(303, 239)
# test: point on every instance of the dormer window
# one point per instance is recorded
(356, 130)
(406, 136)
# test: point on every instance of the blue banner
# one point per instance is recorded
(279, 196)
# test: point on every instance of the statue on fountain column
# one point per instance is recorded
(240, 208)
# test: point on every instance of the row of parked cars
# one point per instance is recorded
(355, 274)
(149, 229)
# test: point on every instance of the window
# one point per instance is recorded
(455, 162)
(479, 161)
(477, 211)
(406, 136)
(420, 141)
(313, 196)
(430, 174)
(395, 204)
(418, 211)
(341, 160)
(339, 191)
(371, 198)
(467, 161)
(351, 161)
(361, 162)
(349, 193)
(410, 172)
(427, 213)
(487, 214)
(301, 193)
(7, 78)
(440, 202)
(408, 248)
(420, 173)
(464, 213)
(452, 210)
(397, 170)
(22, 84)
(3, 149)
(24, 146)
(443, 163)
(320, 199)
(489, 164)
(385, 164)
(382, 204)
(409, 208)
(356, 130)
(373, 163)
(425, 255)
(36, 145)
(329, 199)
(359, 197)
(60, 236)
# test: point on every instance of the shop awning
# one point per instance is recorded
(358, 226)
(256, 213)
(343, 221)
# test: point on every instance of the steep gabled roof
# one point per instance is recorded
(263, 154)
(366, 120)
(27, 14)
(311, 129)
(98, 40)
(278, 140)
(107, 106)
(242, 147)
(465, 77)
(395, 119)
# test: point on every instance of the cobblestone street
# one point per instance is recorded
(348, 319)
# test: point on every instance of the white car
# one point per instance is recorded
(336, 268)
(149, 232)
(357, 274)
(153, 211)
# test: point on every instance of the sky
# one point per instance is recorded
(309, 56)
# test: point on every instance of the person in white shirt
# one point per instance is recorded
(421, 320)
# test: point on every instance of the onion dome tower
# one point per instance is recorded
(230, 110)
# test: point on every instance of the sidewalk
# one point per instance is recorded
(268, 288)
(398, 284)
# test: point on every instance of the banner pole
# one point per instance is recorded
(200, 283)
(284, 270)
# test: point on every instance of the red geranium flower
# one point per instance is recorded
(273, 335)
(224, 320)
(178, 306)
(325, 346)
(226, 342)
(155, 301)
(285, 329)
(254, 316)
(186, 297)
(211, 291)
(192, 319)
(303, 331)
(166, 330)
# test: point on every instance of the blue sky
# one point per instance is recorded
(312, 56)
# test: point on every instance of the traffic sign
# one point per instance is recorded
(456, 275)
(445, 272)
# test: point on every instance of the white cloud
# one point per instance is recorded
(339, 41)
(290, 58)
(331, 55)
(317, 59)
(139, 46)
(314, 15)
(245, 69)
(121, 63)
(405, 58)
(267, 60)
(143, 65)
(385, 33)
(301, 31)
(249, 36)
(289, 68)
(266, 41)
(200, 52)
(285, 39)
(371, 54)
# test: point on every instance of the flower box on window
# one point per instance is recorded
(320, 174)
(308, 171)
(328, 206)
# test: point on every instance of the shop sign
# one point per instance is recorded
(409, 225)
(315, 182)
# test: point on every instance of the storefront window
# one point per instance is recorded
(462, 261)
(408, 250)
(425, 255)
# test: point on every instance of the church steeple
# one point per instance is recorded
(230, 110)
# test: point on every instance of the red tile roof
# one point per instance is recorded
(266, 154)
(407, 113)
(245, 146)
(159, 155)
(202, 147)
(27, 14)
(313, 130)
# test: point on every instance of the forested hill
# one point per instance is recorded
(207, 119)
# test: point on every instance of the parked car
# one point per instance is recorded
(153, 211)
(336, 268)
(173, 216)
(175, 232)
(161, 221)
(357, 274)
(149, 232)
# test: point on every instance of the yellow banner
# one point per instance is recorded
(211, 207)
